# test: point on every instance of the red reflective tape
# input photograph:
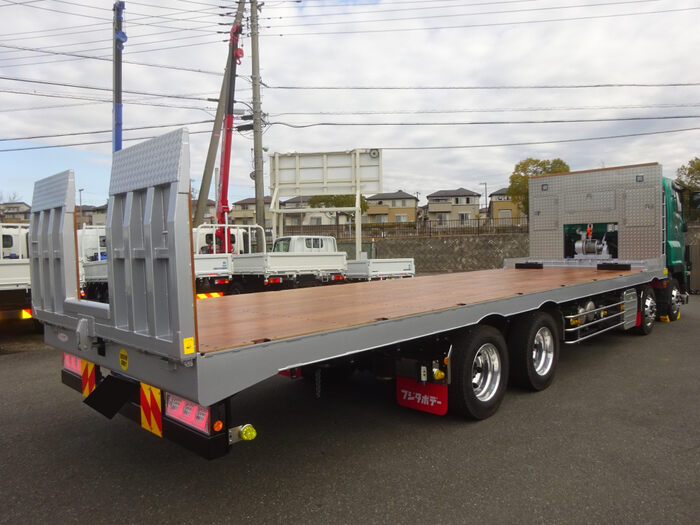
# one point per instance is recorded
(145, 406)
(155, 413)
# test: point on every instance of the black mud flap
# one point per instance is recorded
(111, 394)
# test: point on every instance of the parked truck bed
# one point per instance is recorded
(242, 320)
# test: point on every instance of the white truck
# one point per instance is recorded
(15, 298)
(156, 355)
(294, 262)
(380, 269)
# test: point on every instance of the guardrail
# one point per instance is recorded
(433, 228)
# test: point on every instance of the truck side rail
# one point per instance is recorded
(148, 327)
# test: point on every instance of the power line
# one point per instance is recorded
(485, 110)
(404, 148)
(57, 135)
(399, 2)
(495, 87)
(393, 10)
(454, 15)
(481, 123)
(51, 146)
(542, 142)
(102, 58)
(95, 88)
(492, 24)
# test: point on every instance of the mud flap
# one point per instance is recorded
(111, 394)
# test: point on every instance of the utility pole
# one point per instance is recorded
(118, 46)
(486, 195)
(257, 122)
(215, 134)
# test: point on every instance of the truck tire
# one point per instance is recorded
(533, 346)
(673, 306)
(479, 372)
(647, 309)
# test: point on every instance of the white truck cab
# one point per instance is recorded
(305, 244)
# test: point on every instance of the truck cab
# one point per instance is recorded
(205, 240)
(305, 244)
(14, 241)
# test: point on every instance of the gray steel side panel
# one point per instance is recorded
(606, 196)
(224, 373)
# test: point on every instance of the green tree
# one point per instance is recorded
(519, 180)
(338, 201)
(688, 175)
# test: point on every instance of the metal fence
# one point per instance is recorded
(411, 229)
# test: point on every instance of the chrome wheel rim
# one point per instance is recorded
(486, 372)
(649, 310)
(675, 301)
(543, 351)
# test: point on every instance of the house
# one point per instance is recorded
(453, 205)
(91, 215)
(391, 207)
(209, 212)
(243, 212)
(502, 207)
(315, 218)
(14, 211)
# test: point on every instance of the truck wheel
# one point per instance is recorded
(479, 373)
(647, 309)
(673, 308)
(533, 346)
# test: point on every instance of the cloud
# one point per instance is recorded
(655, 48)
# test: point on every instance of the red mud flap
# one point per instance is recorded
(428, 397)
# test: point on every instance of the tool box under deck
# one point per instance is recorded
(241, 320)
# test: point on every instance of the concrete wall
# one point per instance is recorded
(455, 254)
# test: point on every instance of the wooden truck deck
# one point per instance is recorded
(240, 320)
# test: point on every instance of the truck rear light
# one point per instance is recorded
(72, 363)
(337, 277)
(26, 313)
(274, 280)
(187, 412)
(221, 281)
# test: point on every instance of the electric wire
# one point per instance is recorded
(456, 15)
(405, 148)
(493, 87)
(466, 26)
(542, 142)
(77, 133)
(485, 110)
(482, 123)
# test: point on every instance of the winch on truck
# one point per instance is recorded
(451, 342)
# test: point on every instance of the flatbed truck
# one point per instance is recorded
(449, 341)
(15, 288)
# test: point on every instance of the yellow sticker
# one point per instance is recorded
(188, 345)
(123, 359)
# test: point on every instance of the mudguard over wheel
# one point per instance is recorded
(533, 346)
(646, 310)
(479, 369)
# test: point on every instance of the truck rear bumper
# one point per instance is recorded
(209, 447)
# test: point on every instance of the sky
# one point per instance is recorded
(470, 87)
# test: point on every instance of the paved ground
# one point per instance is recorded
(615, 439)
